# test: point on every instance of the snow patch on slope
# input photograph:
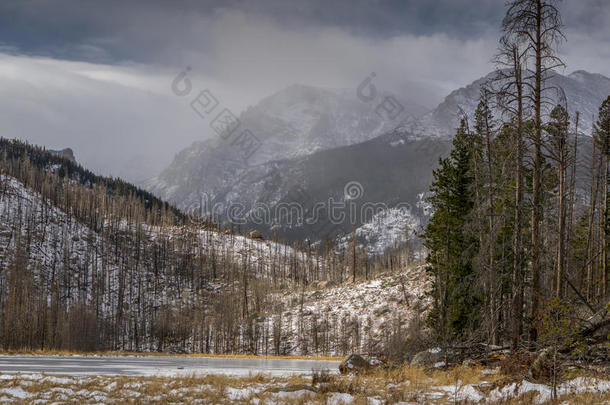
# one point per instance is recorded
(387, 229)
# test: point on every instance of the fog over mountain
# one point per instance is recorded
(317, 141)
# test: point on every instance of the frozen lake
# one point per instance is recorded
(157, 365)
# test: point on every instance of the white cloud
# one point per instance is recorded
(118, 120)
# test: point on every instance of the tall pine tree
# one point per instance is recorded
(452, 246)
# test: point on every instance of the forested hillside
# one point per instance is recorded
(90, 263)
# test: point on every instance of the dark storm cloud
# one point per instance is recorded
(168, 32)
(135, 30)
(461, 18)
(153, 31)
(139, 30)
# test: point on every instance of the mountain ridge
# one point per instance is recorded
(443, 120)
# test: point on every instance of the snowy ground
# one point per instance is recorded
(405, 387)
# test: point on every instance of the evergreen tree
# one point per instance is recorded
(452, 245)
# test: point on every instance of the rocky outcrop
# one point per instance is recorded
(354, 363)
(428, 358)
(67, 153)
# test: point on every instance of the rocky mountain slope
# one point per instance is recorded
(584, 92)
(67, 153)
(389, 171)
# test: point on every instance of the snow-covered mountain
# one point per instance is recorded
(390, 170)
(317, 141)
(295, 122)
(391, 228)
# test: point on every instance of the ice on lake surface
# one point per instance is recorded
(159, 365)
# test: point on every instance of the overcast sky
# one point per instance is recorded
(96, 75)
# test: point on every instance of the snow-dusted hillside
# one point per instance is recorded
(391, 229)
(366, 314)
(146, 283)
(387, 229)
(59, 241)
(57, 233)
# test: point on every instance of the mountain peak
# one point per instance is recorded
(584, 75)
(302, 119)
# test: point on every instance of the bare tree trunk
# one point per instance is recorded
(537, 176)
(491, 236)
(571, 192)
(561, 227)
(590, 232)
(605, 236)
(517, 303)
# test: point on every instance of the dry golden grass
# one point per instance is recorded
(389, 386)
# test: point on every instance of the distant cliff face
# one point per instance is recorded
(67, 153)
